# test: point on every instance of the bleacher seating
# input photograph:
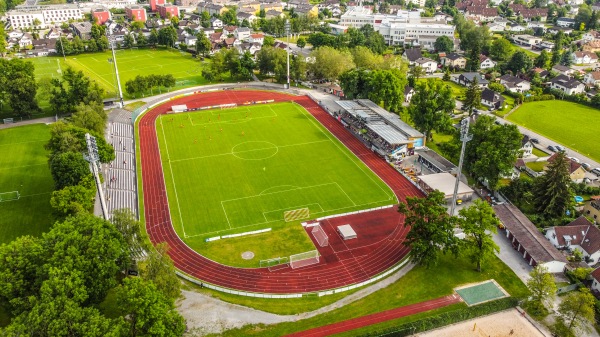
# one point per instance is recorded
(120, 183)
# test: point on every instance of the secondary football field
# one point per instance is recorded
(240, 169)
(570, 124)
(24, 169)
(131, 62)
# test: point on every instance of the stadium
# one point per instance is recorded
(240, 163)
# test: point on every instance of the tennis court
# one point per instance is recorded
(481, 292)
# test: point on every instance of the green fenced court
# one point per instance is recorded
(573, 125)
(25, 182)
(480, 293)
(131, 62)
(241, 169)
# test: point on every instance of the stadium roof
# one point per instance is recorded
(444, 182)
(388, 133)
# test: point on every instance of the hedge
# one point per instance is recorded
(447, 318)
(547, 97)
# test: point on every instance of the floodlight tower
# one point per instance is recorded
(112, 41)
(94, 158)
(464, 137)
(287, 32)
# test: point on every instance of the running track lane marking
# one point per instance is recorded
(379, 317)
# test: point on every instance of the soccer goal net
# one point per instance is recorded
(320, 235)
(9, 196)
(275, 264)
(297, 214)
(304, 259)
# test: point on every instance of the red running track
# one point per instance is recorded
(331, 274)
(359, 322)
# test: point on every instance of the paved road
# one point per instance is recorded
(45, 120)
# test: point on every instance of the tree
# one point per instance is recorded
(552, 191)
(91, 116)
(473, 62)
(577, 310)
(298, 68)
(363, 57)
(3, 42)
(501, 49)
(301, 42)
(68, 169)
(17, 80)
(542, 288)
(542, 60)
(354, 82)
(596, 101)
(131, 230)
(472, 96)
(492, 151)
(519, 63)
(268, 41)
(446, 75)
(128, 40)
(478, 222)
(167, 36)
(566, 59)
(88, 245)
(160, 270)
(497, 87)
(416, 72)
(430, 107)
(203, 45)
(74, 199)
(69, 138)
(431, 228)
(443, 44)
(387, 88)
(330, 63)
(148, 312)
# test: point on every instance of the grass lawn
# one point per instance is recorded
(418, 285)
(24, 168)
(134, 105)
(131, 62)
(539, 153)
(238, 170)
(570, 124)
(537, 166)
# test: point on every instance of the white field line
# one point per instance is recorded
(292, 208)
(172, 179)
(292, 189)
(226, 217)
(111, 85)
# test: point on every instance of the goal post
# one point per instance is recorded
(10, 196)
(296, 214)
(320, 236)
(304, 259)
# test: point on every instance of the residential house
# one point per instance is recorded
(307, 10)
(216, 23)
(53, 33)
(212, 9)
(217, 38)
(25, 40)
(190, 40)
(273, 6)
(155, 3)
(591, 209)
(252, 7)
(101, 15)
(526, 147)
(555, 30)
(514, 84)
(481, 13)
(486, 62)
(585, 57)
(168, 11)
(412, 55)
(564, 70)
(296, 3)
(242, 33)
(43, 47)
(580, 234)
(565, 22)
(596, 281)
(592, 35)
(454, 60)
(408, 93)
(257, 38)
(496, 27)
(82, 29)
(251, 18)
(516, 28)
(592, 46)
(491, 99)
(466, 79)
(576, 171)
(252, 48)
(136, 13)
(527, 40)
(427, 64)
(526, 239)
(592, 78)
(271, 14)
(566, 84)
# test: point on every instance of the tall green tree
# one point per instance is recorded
(131, 230)
(519, 63)
(17, 80)
(148, 312)
(542, 60)
(577, 310)
(542, 288)
(74, 199)
(431, 228)
(68, 169)
(69, 138)
(301, 42)
(553, 194)
(203, 44)
(90, 116)
(3, 39)
(472, 97)
(387, 88)
(430, 107)
(501, 49)
(443, 44)
(330, 63)
(473, 62)
(478, 223)
(160, 270)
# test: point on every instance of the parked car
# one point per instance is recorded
(586, 166)
(596, 171)
(559, 148)
(551, 148)
(534, 140)
(574, 159)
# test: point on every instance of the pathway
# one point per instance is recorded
(44, 120)
(379, 317)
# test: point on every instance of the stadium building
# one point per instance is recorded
(382, 131)
(403, 28)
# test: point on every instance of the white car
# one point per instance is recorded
(574, 159)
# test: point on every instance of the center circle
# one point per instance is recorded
(247, 255)
(254, 150)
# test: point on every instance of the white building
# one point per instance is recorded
(581, 235)
(116, 3)
(403, 28)
(427, 64)
(25, 16)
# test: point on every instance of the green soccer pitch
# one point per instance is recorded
(131, 62)
(24, 168)
(237, 170)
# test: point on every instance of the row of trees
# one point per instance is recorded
(365, 36)
(97, 42)
(141, 84)
(384, 87)
(230, 61)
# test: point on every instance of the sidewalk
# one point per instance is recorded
(44, 120)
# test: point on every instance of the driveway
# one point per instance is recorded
(511, 257)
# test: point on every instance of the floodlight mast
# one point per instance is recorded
(464, 137)
(93, 158)
(111, 41)
(287, 32)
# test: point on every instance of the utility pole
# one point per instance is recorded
(464, 137)
(287, 32)
(112, 42)
(94, 158)
(61, 45)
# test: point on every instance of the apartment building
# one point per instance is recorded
(25, 16)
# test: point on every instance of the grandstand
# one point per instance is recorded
(120, 183)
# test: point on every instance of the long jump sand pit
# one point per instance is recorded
(496, 325)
